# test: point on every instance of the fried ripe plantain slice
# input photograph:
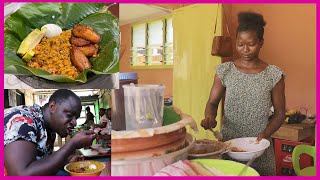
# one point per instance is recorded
(79, 41)
(87, 33)
(90, 50)
(79, 60)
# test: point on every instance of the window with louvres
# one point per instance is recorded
(152, 43)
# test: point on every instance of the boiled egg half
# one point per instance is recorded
(52, 30)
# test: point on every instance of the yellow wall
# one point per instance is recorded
(193, 71)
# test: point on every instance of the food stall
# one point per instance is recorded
(98, 155)
(155, 140)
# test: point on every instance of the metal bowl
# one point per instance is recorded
(208, 149)
(105, 81)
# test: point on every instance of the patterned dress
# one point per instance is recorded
(247, 106)
(27, 123)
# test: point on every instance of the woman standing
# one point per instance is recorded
(251, 87)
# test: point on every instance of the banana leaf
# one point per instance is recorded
(19, 24)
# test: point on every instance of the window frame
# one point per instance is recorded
(147, 64)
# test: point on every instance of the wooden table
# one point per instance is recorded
(295, 132)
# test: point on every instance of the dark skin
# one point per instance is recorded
(102, 112)
(60, 118)
(89, 117)
(102, 125)
(248, 46)
(108, 114)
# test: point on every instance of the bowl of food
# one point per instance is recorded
(61, 42)
(207, 149)
(85, 168)
(243, 149)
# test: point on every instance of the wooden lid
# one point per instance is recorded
(140, 133)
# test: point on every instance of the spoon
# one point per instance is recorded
(217, 134)
(244, 169)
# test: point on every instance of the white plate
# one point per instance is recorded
(249, 145)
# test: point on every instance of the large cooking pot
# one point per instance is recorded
(127, 144)
(149, 166)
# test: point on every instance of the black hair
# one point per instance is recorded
(251, 21)
(102, 109)
(109, 109)
(87, 108)
(61, 95)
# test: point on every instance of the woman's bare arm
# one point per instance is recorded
(216, 94)
(279, 102)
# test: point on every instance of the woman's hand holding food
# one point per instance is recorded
(83, 139)
(209, 122)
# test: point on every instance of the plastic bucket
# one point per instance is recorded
(117, 96)
(143, 106)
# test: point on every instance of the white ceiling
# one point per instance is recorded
(131, 13)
